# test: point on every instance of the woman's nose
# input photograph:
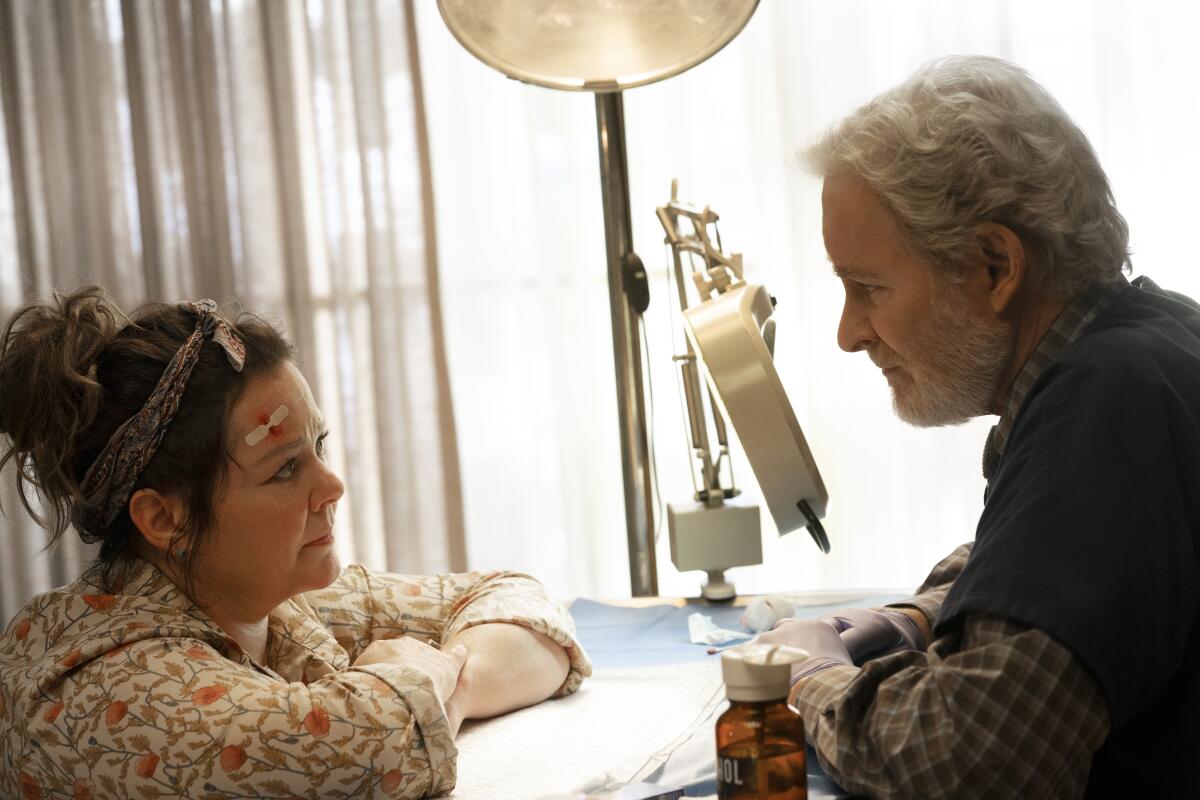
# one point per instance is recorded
(329, 489)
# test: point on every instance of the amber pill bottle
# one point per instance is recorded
(760, 739)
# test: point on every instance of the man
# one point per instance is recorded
(982, 257)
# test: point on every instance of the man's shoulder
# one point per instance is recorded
(1133, 375)
(1142, 340)
(1142, 325)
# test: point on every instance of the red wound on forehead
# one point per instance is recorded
(274, 430)
(268, 425)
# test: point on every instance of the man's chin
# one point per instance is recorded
(921, 413)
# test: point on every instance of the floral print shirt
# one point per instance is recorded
(140, 694)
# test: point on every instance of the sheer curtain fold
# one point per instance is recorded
(268, 155)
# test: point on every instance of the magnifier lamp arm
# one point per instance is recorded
(698, 424)
(735, 265)
(713, 493)
(668, 223)
(710, 468)
(722, 272)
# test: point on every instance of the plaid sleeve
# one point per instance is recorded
(997, 709)
(932, 593)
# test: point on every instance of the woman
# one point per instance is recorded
(216, 648)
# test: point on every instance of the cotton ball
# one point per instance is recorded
(764, 612)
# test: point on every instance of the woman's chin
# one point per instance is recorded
(320, 575)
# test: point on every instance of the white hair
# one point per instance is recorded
(973, 139)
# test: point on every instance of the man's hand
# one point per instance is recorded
(870, 633)
(444, 669)
(819, 637)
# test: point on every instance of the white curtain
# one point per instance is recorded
(271, 156)
(522, 262)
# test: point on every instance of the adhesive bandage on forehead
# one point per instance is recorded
(258, 434)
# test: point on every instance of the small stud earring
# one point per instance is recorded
(180, 552)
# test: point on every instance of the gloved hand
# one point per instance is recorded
(870, 633)
(819, 637)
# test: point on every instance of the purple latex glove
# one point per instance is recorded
(819, 637)
(870, 633)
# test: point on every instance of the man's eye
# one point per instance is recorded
(321, 445)
(286, 471)
(868, 288)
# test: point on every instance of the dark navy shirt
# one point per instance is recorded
(1091, 531)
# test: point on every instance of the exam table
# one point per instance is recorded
(647, 714)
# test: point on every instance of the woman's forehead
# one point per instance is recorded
(279, 399)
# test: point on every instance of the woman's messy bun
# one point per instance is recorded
(49, 394)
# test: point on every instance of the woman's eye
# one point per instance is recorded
(290, 467)
(286, 471)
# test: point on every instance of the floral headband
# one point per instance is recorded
(109, 482)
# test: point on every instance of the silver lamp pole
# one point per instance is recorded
(604, 46)
(628, 296)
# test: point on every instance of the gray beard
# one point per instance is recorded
(956, 369)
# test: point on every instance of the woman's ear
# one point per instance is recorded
(157, 516)
(1004, 259)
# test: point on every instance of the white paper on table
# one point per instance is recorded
(702, 630)
(622, 725)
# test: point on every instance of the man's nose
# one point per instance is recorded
(854, 330)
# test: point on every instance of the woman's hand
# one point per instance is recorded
(444, 669)
(508, 667)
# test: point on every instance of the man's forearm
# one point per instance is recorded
(942, 723)
(923, 607)
(508, 667)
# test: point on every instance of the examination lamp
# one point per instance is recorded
(730, 330)
(604, 46)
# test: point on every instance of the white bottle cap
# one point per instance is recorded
(758, 672)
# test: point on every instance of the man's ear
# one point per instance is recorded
(157, 516)
(1004, 261)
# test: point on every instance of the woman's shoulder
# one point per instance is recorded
(65, 629)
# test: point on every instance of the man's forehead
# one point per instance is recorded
(862, 238)
(855, 271)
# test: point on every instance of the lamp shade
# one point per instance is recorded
(594, 45)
